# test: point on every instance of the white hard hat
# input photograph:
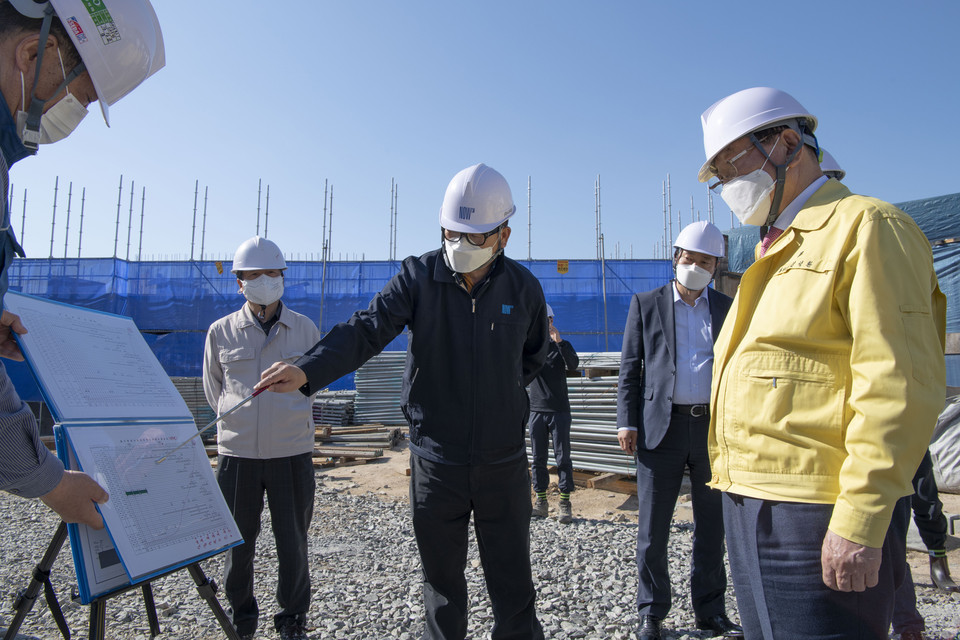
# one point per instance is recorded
(258, 253)
(550, 312)
(477, 200)
(702, 237)
(829, 165)
(119, 41)
(746, 111)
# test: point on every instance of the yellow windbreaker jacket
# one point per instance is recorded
(829, 371)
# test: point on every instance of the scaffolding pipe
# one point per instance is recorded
(266, 213)
(203, 228)
(53, 222)
(663, 243)
(23, 220)
(323, 270)
(396, 218)
(116, 235)
(603, 281)
(130, 219)
(330, 228)
(669, 212)
(259, 190)
(193, 233)
(710, 205)
(390, 242)
(143, 204)
(83, 202)
(596, 194)
(66, 234)
(529, 222)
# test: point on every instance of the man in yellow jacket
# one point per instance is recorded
(828, 378)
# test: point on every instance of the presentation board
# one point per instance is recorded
(118, 414)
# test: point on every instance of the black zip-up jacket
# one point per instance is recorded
(548, 392)
(469, 360)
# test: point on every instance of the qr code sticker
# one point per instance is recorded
(108, 32)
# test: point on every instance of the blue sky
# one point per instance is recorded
(359, 92)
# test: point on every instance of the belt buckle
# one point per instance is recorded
(698, 410)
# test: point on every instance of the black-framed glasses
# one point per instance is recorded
(476, 239)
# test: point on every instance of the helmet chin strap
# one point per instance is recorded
(780, 181)
(31, 134)
(31, 137)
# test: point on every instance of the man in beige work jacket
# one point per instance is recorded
(828, 378)
(266, 446)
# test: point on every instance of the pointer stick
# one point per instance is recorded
(216, 420)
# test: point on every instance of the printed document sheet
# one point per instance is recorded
(159, 516)
(93, 365)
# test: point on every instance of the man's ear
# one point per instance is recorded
(26, 51)
(504, 236)
(791, 140)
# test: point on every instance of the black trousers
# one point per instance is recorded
(545, 426)
(442, 498)
(659, 476)
(932, 525)
(289, 484)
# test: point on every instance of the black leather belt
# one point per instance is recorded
(692, 410)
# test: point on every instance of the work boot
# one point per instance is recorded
(940, 574)
(540, 508)
(566, 512)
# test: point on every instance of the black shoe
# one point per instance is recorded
(940, 574)
(293, 631)
(649, 628)
(720, 625)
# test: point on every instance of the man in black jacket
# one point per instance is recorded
(550, 416)
(478, 336)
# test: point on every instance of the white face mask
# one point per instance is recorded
(264, 290)
(463, 257)
(693, 277)
(748, 196)
(58, 121)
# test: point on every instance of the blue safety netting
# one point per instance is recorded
(173, 303)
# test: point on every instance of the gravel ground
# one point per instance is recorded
(366, 579)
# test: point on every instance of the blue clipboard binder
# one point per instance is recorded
(117, 413)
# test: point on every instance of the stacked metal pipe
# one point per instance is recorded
(334, 408)
(379, 383)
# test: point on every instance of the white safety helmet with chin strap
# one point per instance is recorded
(119, 42)
(749, 111)
(702, 237)
(257, 254)
(829, 165)
(477, 200)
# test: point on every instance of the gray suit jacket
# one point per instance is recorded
(648, 362)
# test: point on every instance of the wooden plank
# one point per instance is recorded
(615, 482)
(597, 482)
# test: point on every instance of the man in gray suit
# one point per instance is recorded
(662, 419)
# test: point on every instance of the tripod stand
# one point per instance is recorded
(41, 578)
